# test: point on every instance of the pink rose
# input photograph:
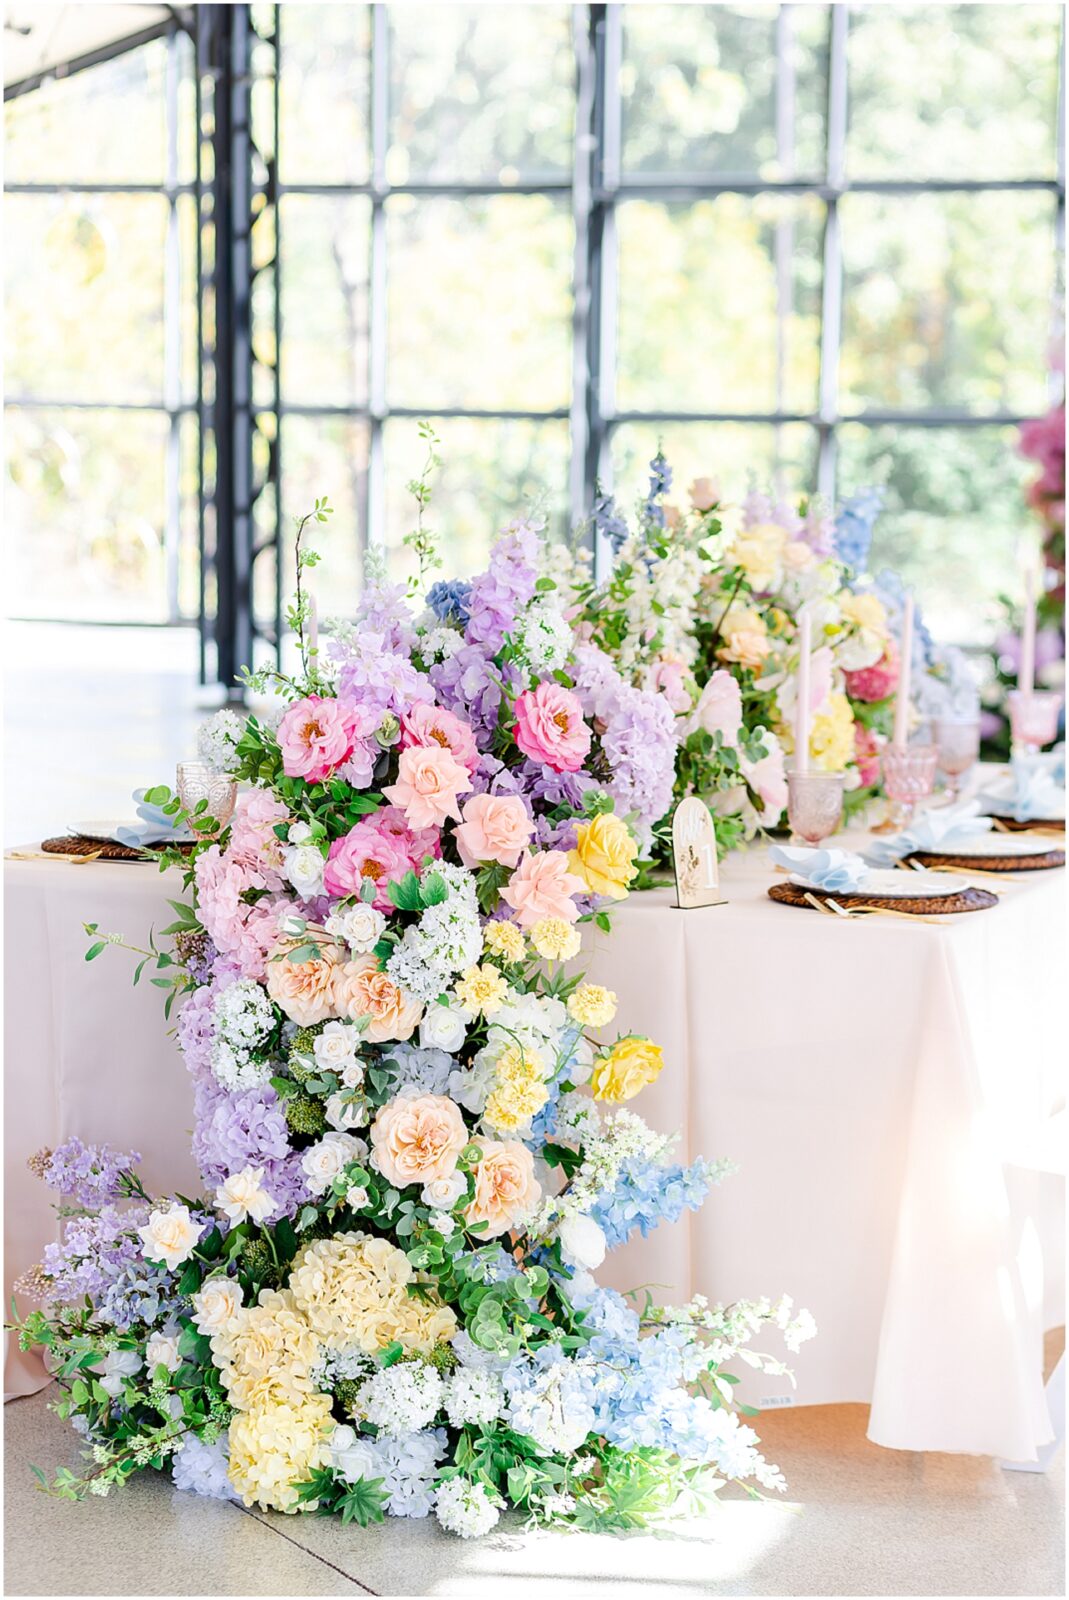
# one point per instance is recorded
(768, 780)
(428, 725)
(495, 828)
(506, 1189)
(375, 851)
(867, 755)
(720, 708)
(418, 1140)
(704, 494)
(429, 779)
(416, 842)
(669, 677)
(875, 682)
(361, 989)
(315, 736)
(541, 887)
(550, 727)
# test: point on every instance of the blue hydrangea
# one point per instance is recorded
(853, 527)
(648, 1193)
(449, 599)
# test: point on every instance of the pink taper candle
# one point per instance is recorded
(1026, 677)
(901, 731)
(802, 709)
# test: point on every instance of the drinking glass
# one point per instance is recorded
(908, 776)
(814, 805)
(958, 739)
(1034, 718)
(197, 781)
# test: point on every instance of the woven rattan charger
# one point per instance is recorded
(76, 844)
(965, 863)
(970, 899)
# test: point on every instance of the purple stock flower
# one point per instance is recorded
(372, 674)
(89, 1175)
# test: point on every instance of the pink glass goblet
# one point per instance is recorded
(1034, 718)
(908, 776)
(958, 739)
(814, 805)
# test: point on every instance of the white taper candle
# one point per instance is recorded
(802, 709)
(905, 671)
(1026, 677)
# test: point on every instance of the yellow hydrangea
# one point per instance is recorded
(504, 939)
(604, 855)
(267, 1353)
(275, 1447)
(555, 939)
(592, 1005)
(482, 989)
(831, 738)
(629, 1066)
(354, 1290)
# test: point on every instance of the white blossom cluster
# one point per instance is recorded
(244, 1017)
(217, 740)
(730, 1328)
(438, 641)
(447, 939)
(473, 1395)
(334, 1365)
(401, 1399)
(465, 1508)
(545, 638)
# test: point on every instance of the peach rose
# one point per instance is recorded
(418, 1140)
(506, 1189)
(496, 827)
(361, 989)
(541, 887)
(704, 493)
(304, 989)
(429, 779)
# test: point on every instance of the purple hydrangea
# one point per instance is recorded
(469, 685)
(89, 1175)
(101, 1256)
(638, 737)
(500, 593)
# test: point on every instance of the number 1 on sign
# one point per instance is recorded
(709, 857)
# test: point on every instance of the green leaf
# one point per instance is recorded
(405, 894)
(95, 949)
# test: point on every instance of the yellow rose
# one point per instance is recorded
(592, 1005)
(867, 610)
(831, 739)
(759, 552)
(629, 1066)
(555, 939)
(604, 856)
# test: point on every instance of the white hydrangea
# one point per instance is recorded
(408, 1466)
(401, 1399)
(473, 1396)
(409, 967)
(244, 1017)
(465, 1508)
(217, 740)
(450, 935)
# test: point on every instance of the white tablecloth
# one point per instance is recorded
(886, 1089)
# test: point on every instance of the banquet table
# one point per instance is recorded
(890, 1092)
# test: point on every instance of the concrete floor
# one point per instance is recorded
(860, 1521)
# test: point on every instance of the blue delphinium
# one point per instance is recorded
(660, 483)
(608, 522)
(854, 523)
(648, 1193)
(448, 599)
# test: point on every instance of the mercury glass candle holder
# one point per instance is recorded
(908, 776)
(196, 782)
(958, 739)
(1034, 718)
(814, 805)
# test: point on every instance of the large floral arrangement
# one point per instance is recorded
(412, 1120)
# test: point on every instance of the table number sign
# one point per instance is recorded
(694, 854)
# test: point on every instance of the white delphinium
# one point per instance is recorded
(473, 1396)
(465, 1508)
(360, 927)
(554, 1406)
(450, 935)
(217, 740)
(622, 1136)
(401, 1399)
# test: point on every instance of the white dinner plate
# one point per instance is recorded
(982, 845)
(895, 884)
(101, 830)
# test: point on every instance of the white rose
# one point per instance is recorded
(443, 1193)
(798, 556)
(243, 1195)
(356, 1196)
(170, 1236)
(304, 868)
(361, 927)
(328, 1159)
(582, 1242)
(860, 650)
(442, 1028)
(299, 833)
(443, 1222)
(161, 1349)
(118, 1365)
(292, 925)
(335, 1048)
(216, 1305)
(343, 1112)
(352, 1455)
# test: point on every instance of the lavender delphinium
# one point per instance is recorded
(499, 594)
(660, 483)
(88, 1175)
(608, 522)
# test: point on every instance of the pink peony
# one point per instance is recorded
(369, 852)
(315, 736)
(720, 708)
(434, 725)
(875, 682)
(550, 727)
(867, 755)
(418, 842)
(669, 677)
(541, 887)
(495, 828)
(429, 780)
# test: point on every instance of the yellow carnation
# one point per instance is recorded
(512, 1104)
(604, 855)
(482, 989)
(555, 939)
(630, 1065)
(592, 1005)
(831, 739)
(504, 939)
(276, 1447)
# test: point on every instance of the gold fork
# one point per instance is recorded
(52, 855)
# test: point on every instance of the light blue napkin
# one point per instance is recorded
(935, 829)
(153, 827)
(1035, 788)
(837, 871)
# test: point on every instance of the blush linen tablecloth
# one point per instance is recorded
(887, 1090)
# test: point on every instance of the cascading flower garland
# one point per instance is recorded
(411, 1122)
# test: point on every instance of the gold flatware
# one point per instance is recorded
(968, 872)
(52, 855)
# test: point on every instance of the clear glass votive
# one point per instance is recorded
(958, 739)
(1034, 718)
(197, 781)
(814, 805)
(908, 776)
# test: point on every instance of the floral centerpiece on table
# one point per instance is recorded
(412, 1117)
